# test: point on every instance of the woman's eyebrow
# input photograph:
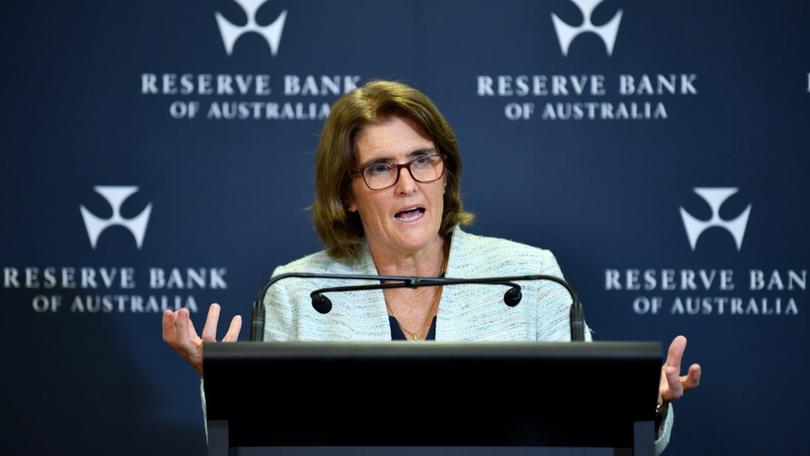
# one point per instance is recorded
(374, 161)
(390, 159)
(422, 151)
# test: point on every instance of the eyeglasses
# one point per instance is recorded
(424, 169)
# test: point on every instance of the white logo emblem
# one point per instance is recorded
(231, 33)
(566, 33)
(116, 196)
(715, 197)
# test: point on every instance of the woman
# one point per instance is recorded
(388, 202)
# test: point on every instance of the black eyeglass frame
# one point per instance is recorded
(361, 171)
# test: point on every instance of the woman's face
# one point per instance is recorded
(404, 218)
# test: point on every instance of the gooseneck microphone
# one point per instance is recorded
(323, 304)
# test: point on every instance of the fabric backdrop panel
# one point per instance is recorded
(160, 155)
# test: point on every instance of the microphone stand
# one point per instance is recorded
(323, 305)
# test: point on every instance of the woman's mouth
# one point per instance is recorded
(410, 215)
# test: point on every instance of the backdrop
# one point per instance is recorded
(159, 154)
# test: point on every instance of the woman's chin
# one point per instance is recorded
(416, 242)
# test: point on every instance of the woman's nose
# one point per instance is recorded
(406, 183)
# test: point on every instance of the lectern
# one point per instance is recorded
(271, 395)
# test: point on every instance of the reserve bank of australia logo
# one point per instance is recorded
(231, 33)
(116, 196)
(715, 197)
(566, 33)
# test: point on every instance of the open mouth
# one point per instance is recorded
(410, 215)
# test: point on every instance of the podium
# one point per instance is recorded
(266, 395)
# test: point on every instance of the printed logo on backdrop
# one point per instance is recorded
(715, 197)
(225, 94)
(101, 288)
(116, 196)
(706, 289)
(607, 93)
(231, 32)
(566, 33)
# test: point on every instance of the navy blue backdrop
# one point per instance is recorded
(659, 149)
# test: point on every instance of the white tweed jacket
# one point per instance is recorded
(466, 312)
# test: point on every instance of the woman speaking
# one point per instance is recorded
(387, 202)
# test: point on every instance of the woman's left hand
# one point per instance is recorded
(673, 385)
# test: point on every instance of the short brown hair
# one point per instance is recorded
(340, 230)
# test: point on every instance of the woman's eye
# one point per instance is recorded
(380, 168)
(422, 161)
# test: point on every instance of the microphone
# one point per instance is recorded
(512, 296)
(323, 304)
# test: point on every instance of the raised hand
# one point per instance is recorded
(179, 333)
(673, 385)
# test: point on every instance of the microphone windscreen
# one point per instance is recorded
(321, 303)
(512, 296)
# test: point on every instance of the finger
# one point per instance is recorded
(692, 379)
(674, 384)
(169, 334)
(182, 325)
(675, 353)
(233, 331)
(209, 333)
(192, 332)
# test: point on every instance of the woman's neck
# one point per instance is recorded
(426, 262)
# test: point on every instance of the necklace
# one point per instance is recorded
(437, 293)
(415, 335)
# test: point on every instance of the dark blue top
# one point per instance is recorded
(397, 334)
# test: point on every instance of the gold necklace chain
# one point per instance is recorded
(437, 292)
(415, 335)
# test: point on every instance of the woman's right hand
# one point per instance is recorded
(179, 333)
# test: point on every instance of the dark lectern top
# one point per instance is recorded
(459, 394)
